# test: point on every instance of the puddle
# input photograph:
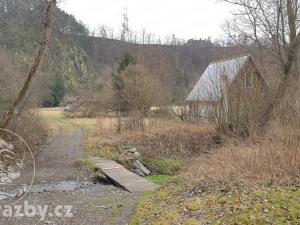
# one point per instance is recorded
(62, 186)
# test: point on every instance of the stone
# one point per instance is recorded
(4, 144)
(137, 155)
(138, 165)
(5, 180)
(132, 150)
(14, 176)
(139, 172)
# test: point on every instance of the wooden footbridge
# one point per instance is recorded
(121, 176)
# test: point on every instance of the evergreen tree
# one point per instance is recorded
(118, 82)
(58, 91)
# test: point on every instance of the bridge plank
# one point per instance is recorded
(121, 176)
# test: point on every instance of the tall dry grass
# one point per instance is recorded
(159, 138)
(31, 127)
(275, 159)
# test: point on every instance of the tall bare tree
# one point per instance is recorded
(33, 71)
(143, 36)
(125, 26)
(274, 26)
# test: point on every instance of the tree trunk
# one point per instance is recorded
(48, 24)
(280, 92)
(284, 83)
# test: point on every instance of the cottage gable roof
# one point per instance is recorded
(209, 86)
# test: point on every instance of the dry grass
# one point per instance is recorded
(275, 160)
(160, 138)
(176, 139)
(31, 128)
(163, 145)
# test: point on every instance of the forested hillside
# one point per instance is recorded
(66, 65)
(75, 57)
(179, 66)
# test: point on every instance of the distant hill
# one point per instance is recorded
(75, 58)
(178, 66)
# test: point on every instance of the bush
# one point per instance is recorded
(275, 160)
(31, 128)
(163, 166)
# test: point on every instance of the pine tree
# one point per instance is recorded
(118, 82)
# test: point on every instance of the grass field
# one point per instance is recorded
(197, 186)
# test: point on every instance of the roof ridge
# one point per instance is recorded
(228, 59)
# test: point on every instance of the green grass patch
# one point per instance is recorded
(160, 179)
(163, 166)
(157, 207)
(241, 205)
(87, 162)
(104, 153)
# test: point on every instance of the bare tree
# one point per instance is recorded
(33, 71)
(103, 31)
(167, 40)
(173, 40)
(149, 38)
(141, 89)
(273, 25)
(125, 26)
(158, 41)
(143, 33)
(110, 33)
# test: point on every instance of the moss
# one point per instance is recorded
(163, 166)
(158, 207)
(192, 221)
(88, 163)
(160, 179)
(259, 205)
(196, 205)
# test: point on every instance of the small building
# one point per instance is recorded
(227, 82)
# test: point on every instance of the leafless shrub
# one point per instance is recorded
(31, 127)
(97, 95)
(276, 159)
(176, 139)
(142, 90)
(159, 139)
(135, 121)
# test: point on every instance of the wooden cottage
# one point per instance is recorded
(231, 82)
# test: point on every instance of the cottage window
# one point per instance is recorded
(249, 80)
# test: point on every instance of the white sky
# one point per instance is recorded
(185, 18)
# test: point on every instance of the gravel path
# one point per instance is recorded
(94, 204)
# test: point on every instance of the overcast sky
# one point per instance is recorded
(185, 18)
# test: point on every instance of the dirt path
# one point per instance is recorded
(91, 204)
